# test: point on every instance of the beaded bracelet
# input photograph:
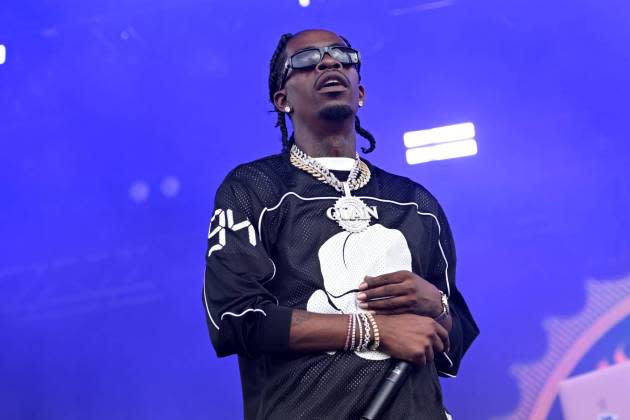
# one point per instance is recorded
(377, 336)
(360, 342)
(354, 324)
(367, 333)
(346, 346)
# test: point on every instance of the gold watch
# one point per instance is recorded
(445, 308)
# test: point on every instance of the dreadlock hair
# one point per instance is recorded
(276, 69)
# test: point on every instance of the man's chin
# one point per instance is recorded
(336, 112)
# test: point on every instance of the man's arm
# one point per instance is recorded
(406, 337)
(312, 332)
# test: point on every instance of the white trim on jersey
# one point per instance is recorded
(272, 276)
(270, 209)
(451, 365)
(262, 213)
(243, 313)
(205, 301)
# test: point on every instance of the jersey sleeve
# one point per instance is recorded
(243, 316)
(442, 274)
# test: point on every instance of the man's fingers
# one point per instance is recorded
(438, 343)
(370, 282)
(420, 360)
(429, 354)
(443, 334)
(399, 302)
(385, 291)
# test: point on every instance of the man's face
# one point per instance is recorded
(329, 91)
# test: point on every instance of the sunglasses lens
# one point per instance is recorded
(345, 55)
(308, 58)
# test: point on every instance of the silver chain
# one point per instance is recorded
(359, 175)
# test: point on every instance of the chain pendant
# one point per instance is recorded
(352, 214)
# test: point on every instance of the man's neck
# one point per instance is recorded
(337, 140)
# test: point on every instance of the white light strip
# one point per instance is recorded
(3, 54)
(438, 135)
(442, 151)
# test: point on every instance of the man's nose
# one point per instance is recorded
(328, 63)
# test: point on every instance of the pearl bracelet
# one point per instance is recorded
(354, 324)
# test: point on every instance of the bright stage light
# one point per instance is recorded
(442, 151)
(439, 135)
(3, 54)
(304, 3)
(448, 142)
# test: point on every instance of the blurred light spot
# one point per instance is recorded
(124, 35)
(620, 355)
(423, 7)
(3, 54)
(305, 3)
(139, 191)
(49, 32)
(439, 135)
(448, 142)
(170, 186)
(442, 151)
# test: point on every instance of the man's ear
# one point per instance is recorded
(280, 100)
(361, 93)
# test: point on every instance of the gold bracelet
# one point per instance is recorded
(377, 336)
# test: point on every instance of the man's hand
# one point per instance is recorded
(413, 338)
(398, 293)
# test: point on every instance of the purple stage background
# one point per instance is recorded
(118, 120)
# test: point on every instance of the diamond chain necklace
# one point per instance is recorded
(301, 160)
(352, 214)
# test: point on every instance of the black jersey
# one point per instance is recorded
(271, 248)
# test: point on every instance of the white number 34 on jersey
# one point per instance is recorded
(225, 222)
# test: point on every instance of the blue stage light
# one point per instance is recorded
(139, 191)
(170, 186)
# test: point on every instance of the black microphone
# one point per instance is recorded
(387, 390)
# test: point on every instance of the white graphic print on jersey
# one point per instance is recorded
(346, 258)
(226, 221)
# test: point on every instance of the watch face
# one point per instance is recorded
(445, 303)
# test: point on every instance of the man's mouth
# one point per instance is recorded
(332, 82)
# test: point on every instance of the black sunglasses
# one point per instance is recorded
(311, 57)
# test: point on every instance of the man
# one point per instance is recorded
(323, 270)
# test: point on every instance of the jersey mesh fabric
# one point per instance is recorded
(300, 259)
